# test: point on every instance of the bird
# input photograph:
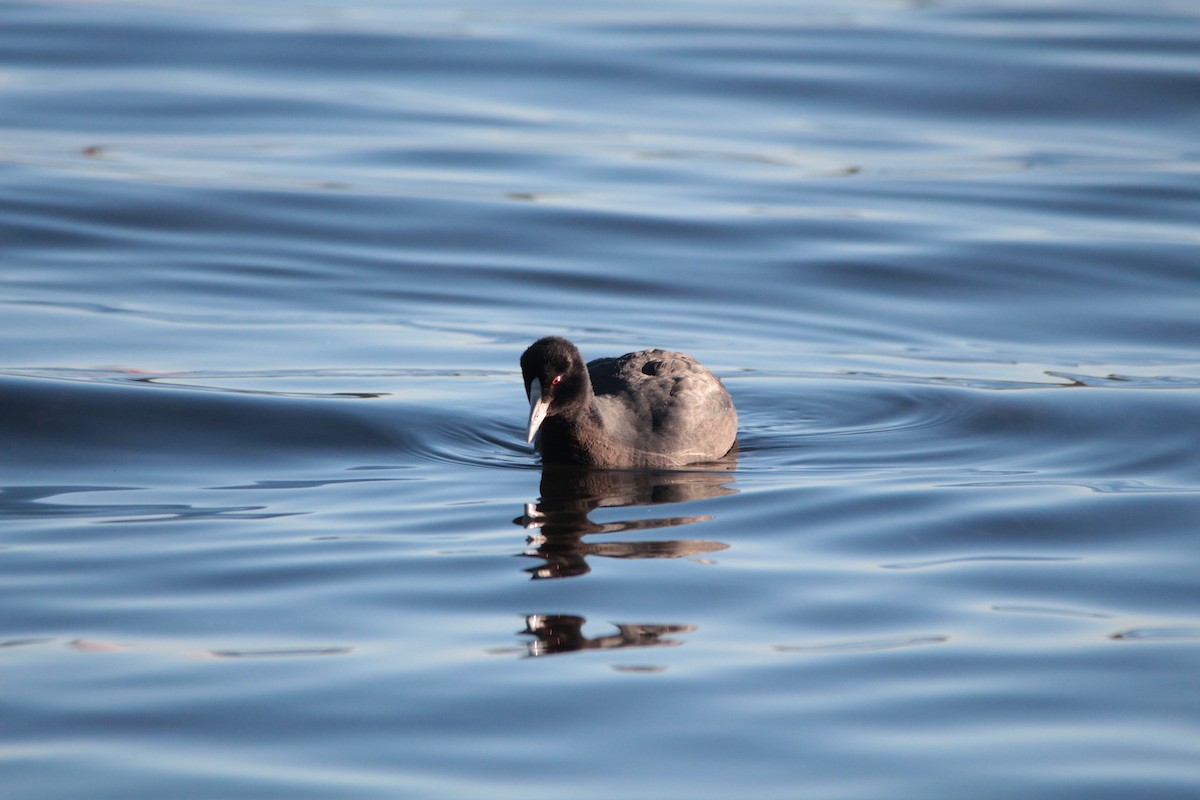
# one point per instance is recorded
(652, 408)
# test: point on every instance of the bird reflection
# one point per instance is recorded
(563, 633)
(560, 521)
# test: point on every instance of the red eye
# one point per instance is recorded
(557, 380)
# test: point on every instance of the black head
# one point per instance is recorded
(550, 358)
(555, 379)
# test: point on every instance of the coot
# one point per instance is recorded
(653, 408)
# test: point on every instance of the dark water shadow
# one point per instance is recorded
(560, 520)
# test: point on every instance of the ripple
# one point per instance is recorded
(310, 484)
(1115, 381)
(863, 645)
(9, 643)
(1049, 611)
(1163, 634)
(1111, 486)
(255, 382)
(882, 412)
(954, 562)
(780, 416)
(30, 502)
(477, 442)
(299, 652)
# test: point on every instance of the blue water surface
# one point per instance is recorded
(268, 524)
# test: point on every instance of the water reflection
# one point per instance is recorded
(560, 520)
(563, 633)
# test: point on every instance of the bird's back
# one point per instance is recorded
(664, 404)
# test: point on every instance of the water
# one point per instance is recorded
(267, 270)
